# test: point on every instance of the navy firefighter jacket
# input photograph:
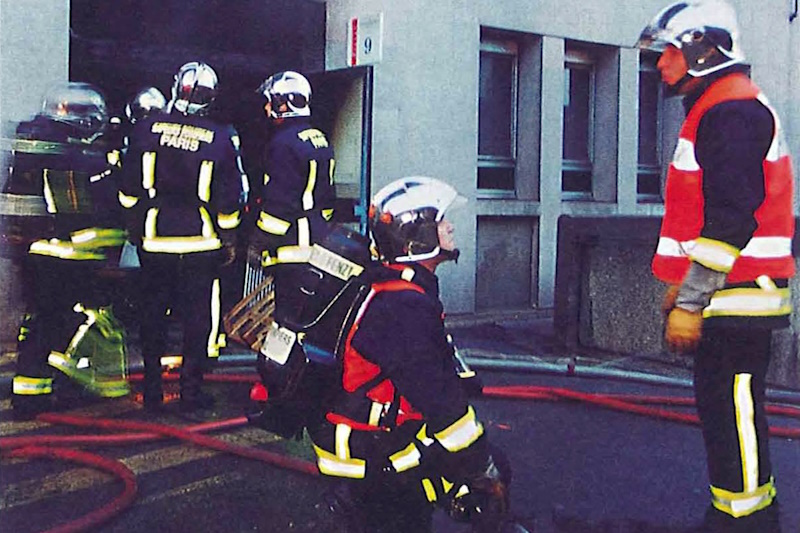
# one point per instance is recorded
(183, 179)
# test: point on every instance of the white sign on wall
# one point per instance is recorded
(365, 40)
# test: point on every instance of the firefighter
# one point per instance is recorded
(725, 249)
(294, 199)
(183, 179)
(62, 156)
(394, 444)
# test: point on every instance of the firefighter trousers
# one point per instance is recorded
(183, 287)
(729, 384)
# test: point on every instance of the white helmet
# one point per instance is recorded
(705, 31)
(291, 88)
(196, 85)
(404, 217)
(145, 102)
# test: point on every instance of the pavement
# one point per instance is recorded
(579, 465)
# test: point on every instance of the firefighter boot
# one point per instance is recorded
(764, 521)
(153, 392)
(193, 398)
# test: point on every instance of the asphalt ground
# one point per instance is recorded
(578, 466)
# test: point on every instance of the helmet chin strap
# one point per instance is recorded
(450, 255)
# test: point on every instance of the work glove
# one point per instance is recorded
(684, 329)
(486, 502)
(668, 304)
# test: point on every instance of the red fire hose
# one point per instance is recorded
(135, 431)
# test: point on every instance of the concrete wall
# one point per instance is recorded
(34, 53)
(607, 297)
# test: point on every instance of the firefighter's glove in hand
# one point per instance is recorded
(487, 502)
(668, 304)
(684, 329)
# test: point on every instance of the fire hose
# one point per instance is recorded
(52, 446)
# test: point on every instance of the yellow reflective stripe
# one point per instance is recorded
(430, 491)
(127, 201)
(28, 386)
(229, 221)
(750, 301)
(714, 254)
(148, 170)
(286, 254)
(738, 504)
(746, 428)
(204, 181)
(303, 232)
(406, 458)
(150, 220)
(375, 412)
(98, 237)
(113, 157)
(331, 465)
(422, 436)
(62, 250)
(49, 199)
(213, 337)
(327, 214)
(331, 165)
(266, 178)
(308, 194)
(272, 224)
(207, 229)
(342, 438)
(461, 433)
(180, 245)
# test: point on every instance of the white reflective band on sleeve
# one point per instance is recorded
(461, 433)
(716, 255)
(670, 248)
(308, 193)
(406, 458)
(272, 224)
(738, 504)
(768, 247)
(749, 302)
(758, 247)
(28, 386)
(204, 180)
(683, 157)
(331, 166)
(746, 428)
(422, 436)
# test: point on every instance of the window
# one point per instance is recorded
(579, 74)
(648, 185)
(497, 115)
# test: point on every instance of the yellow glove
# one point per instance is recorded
(684, 329)
(669, 299)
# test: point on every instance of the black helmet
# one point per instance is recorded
(195, 88)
